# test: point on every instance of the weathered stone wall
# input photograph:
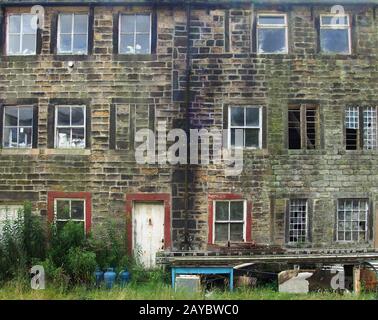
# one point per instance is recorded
(224, 72)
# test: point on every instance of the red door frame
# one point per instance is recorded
(148, 197)
(228, 196)
(52, 195)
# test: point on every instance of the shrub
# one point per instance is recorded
(70, 236)
(22, 241)
(109, 245)
(81, 264)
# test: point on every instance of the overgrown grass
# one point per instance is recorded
(20, 290)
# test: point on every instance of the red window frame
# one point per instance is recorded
(148, 197)
(226, 197)
(51, 196)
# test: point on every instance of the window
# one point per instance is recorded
(352, 219)
(249, 121)
(272, 35)
(303, 127)
(335, 35)
(21, 34)
(73, 34)
(229, 221)
(135, 34)
(18, 127)
(297, 222)
(70, 206)
(70, 127)
(8, 212)
(355, 118)
(69, 210)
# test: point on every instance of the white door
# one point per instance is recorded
(148, 231)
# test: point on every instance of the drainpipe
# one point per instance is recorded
(187, 241)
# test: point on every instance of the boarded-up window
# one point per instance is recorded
(303, 127)
(355, 119)
(229, 221)
(129, 119)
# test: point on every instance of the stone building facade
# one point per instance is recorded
(202, 60)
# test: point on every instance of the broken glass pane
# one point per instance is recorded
(272, 40)
(221, 210)
(221, 232)
(334, 40)
(294, 127)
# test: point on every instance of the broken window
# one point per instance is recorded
(355, 118)
(18, 127)
(272, 33)
(21, 34)
(335, 34)
(8, 213)
(229, 221)
(73, 34)
(303, 127)
(297, 223)
(135, 34)
(69, 210)
(70, 127)
(249, 121)
(352, 218)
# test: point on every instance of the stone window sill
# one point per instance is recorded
(73, 152)
(14, 151)
(134, 57)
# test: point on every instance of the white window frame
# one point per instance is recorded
(59, 51)
(21, 34)
(272, 26)
(135, 33)
(70, 126)
(228, 222)
(352, 116)
(367, 212)
(18, 126)
(70, 201)
(288, 223)
(335, 27)
(230, 126)
(13, 215)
